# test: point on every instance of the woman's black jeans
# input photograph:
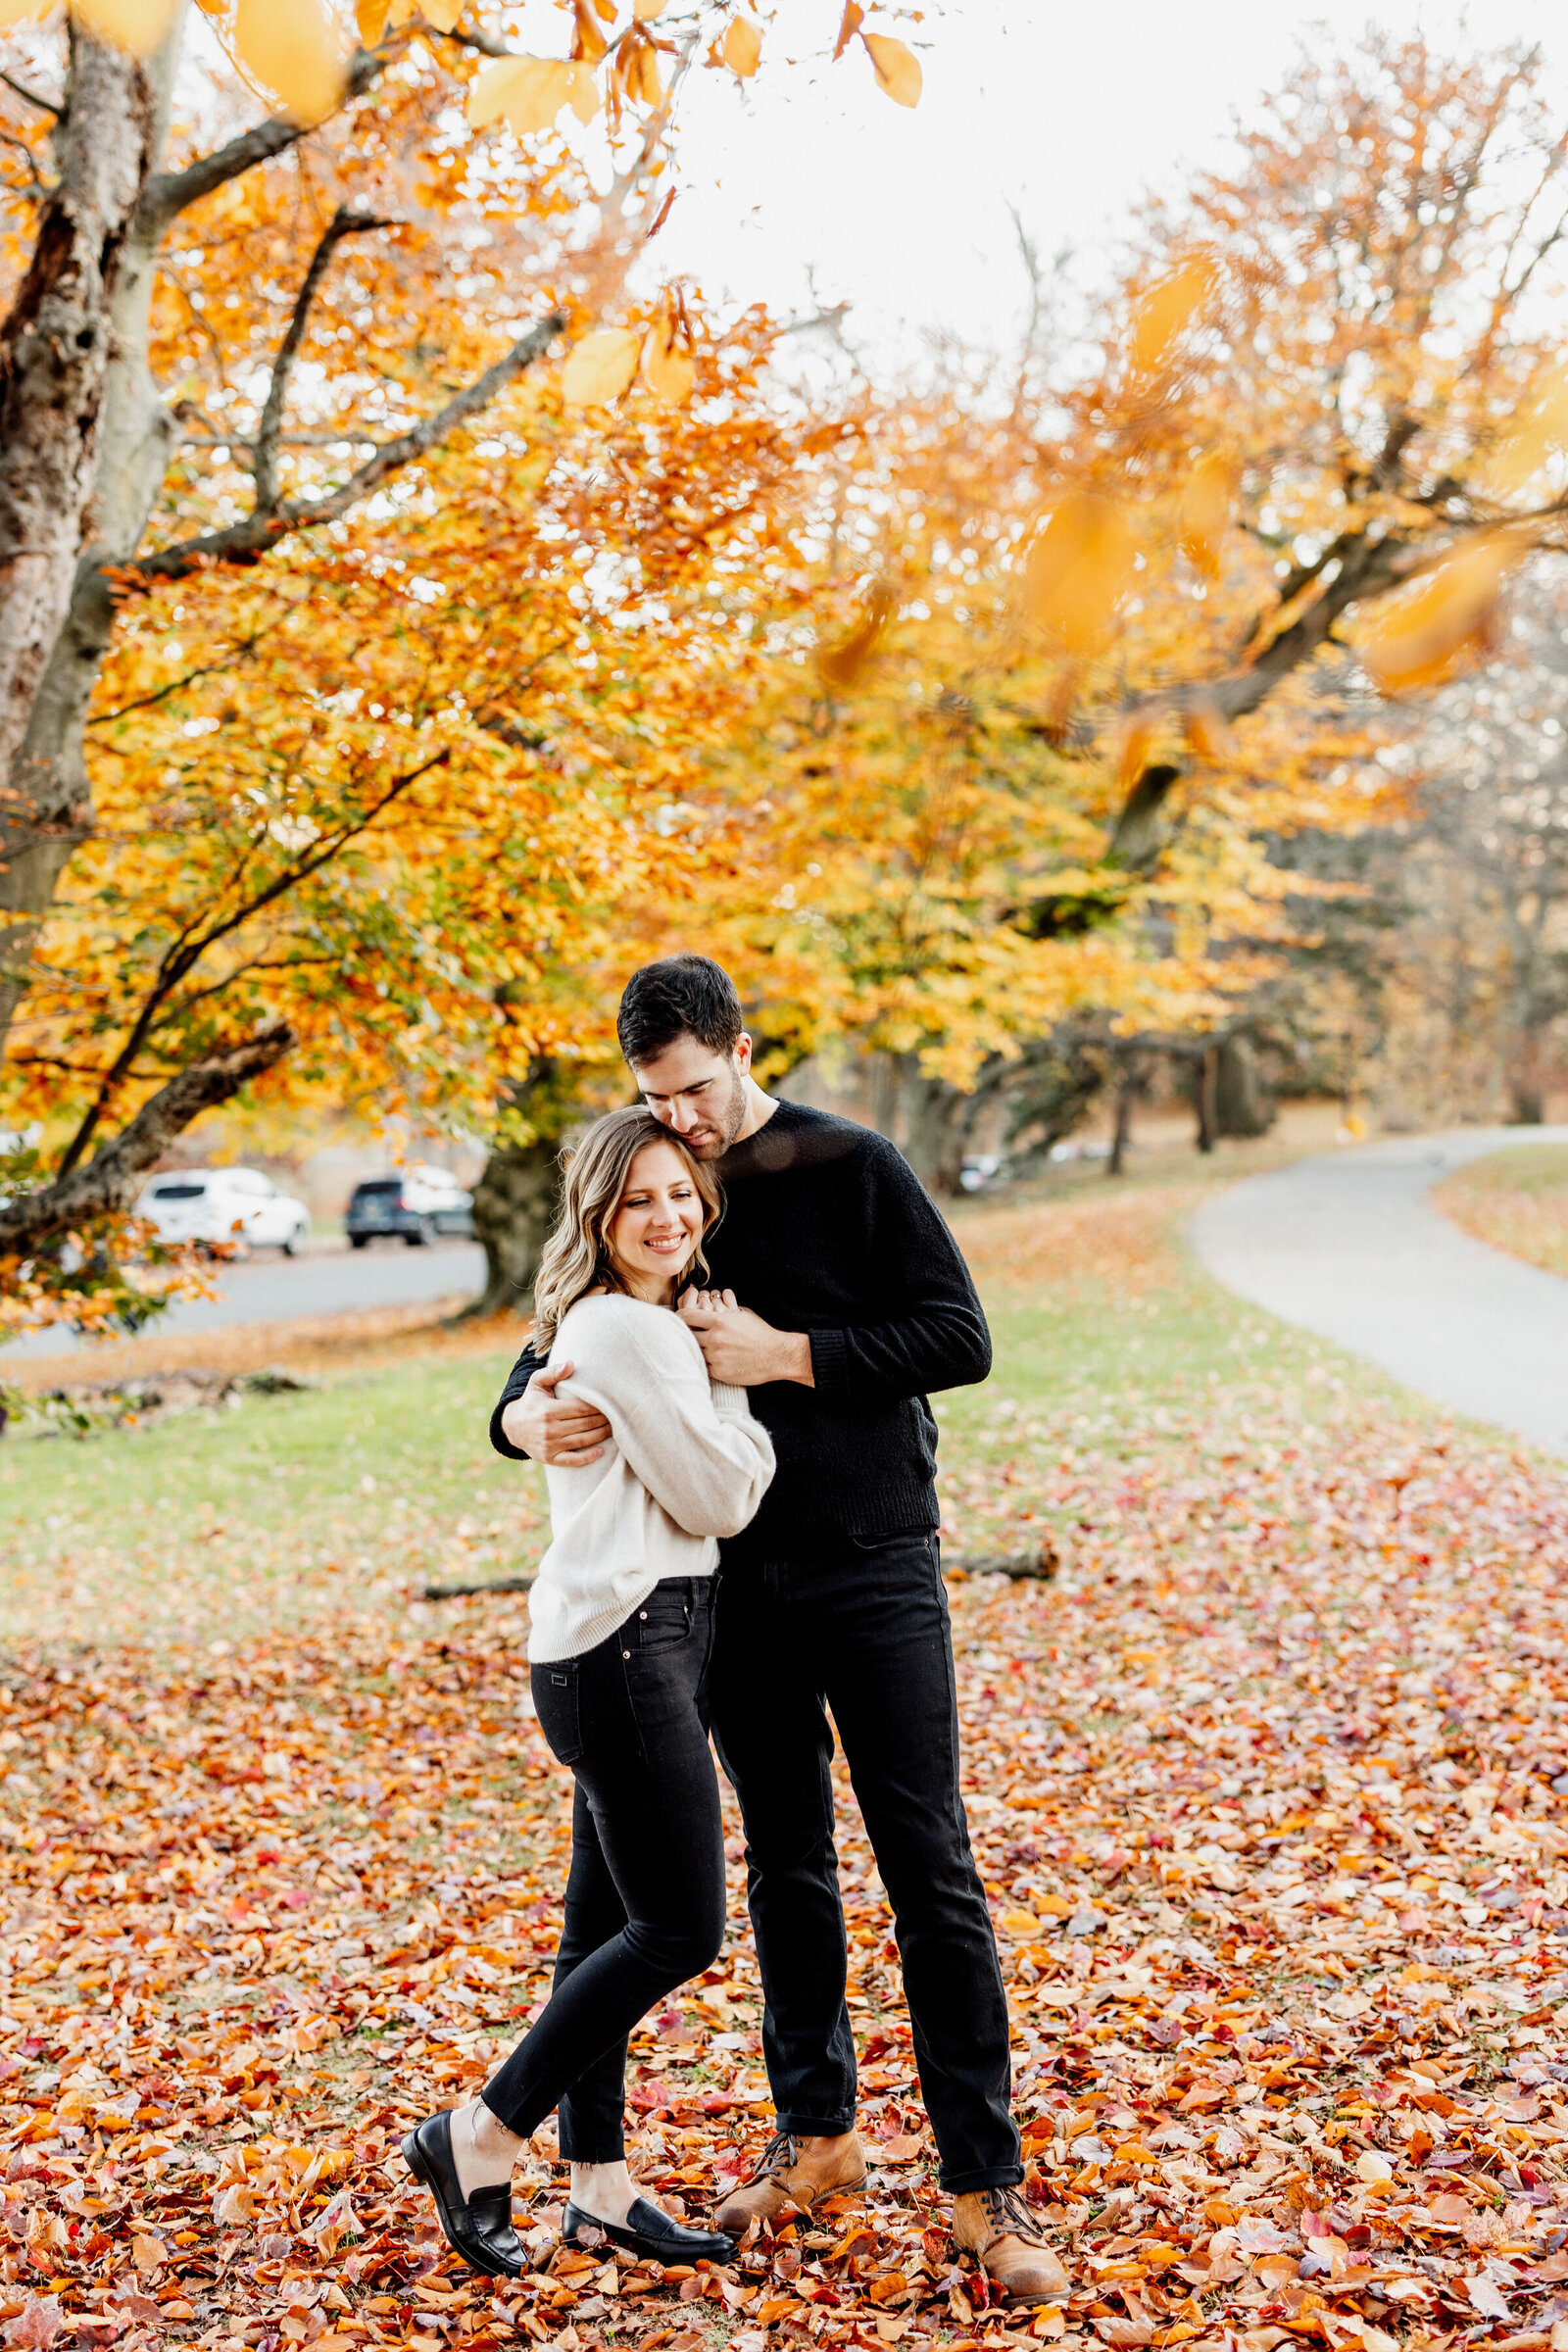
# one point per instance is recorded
(645, 1899)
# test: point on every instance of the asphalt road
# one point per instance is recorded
(1349, 1246)
(270, 1288)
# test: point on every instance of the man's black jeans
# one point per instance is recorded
(644, 1897)
(863, 1628)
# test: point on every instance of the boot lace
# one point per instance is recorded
(1010, 2216)
(777, 2157)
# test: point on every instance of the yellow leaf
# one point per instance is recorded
(291, 49)
(530, 92)
(742, 47)
(1539, 428)
(1168, 309)
(898, 70)
(369, 15)
(600, 368)
(1078, 568)
(583, 95)
(1423, 634)
(21, 12)
(1021, 1923)
(668, 369)
(642, 9)
(1204, 513)
(442, 14)
(139, 25)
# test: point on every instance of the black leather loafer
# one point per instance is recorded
(650, 2233)
(480, 2225)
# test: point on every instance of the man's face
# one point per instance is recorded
(698, 1094)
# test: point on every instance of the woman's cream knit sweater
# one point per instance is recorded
(687, 1465)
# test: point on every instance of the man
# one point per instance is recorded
(854, 1303)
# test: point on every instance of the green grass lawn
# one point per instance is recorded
(205, 1527)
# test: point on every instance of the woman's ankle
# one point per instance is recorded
(606, 2192)
(483, 2150)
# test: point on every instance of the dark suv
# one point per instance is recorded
(416, 1208)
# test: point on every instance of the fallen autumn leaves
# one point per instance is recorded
(1262, 1793)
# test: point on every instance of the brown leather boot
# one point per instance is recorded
(793, 2175)
(997, 2227)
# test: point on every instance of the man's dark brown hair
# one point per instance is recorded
(680, 996)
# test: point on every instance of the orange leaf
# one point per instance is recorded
(291, 49)
(1134, 746)
(1424, 633)
(742, 47)
(848, 25)
(841, 664)
(1204, 513)
(1168, 309)
(1078, 571)
(530, 92)
(1540, 427)
(600, 368)
(139, 25)
(370, 17)
(1204, 725)
(897, 69)
(588, 43)
(669, 370)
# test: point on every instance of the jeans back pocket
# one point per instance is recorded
(557, 1703)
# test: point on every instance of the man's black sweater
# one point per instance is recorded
(827, 1231)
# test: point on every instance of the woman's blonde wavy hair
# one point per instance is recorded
(576, 1257)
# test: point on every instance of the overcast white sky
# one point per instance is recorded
(1068, 107)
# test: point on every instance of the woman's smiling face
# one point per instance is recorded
(657, 1221)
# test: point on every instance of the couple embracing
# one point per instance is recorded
(728, 1390)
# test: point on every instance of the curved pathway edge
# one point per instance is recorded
(1348, 1245)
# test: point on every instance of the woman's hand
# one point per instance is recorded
(707, 1304)
(737, 1346)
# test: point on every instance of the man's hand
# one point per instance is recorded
(550, 1428)
(739, 1347)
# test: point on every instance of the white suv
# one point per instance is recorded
(225, 1205)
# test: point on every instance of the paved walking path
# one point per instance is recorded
(272, 1289)
(1349, 1246)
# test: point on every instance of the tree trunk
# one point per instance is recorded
(75, 398)
(1242, 1102)
(1527, 1093)
(514, 1203)
(1130, 1082)
(935, 1121)
(516, 1199)
(1205, 1085)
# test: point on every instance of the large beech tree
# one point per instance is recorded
(220, 347)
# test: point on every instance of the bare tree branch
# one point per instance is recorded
(344, 222)
(169, 193)
(192, 941)
(246, 542)
(109, 1181)
(45, 105)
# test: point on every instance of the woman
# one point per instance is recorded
(617, 1650)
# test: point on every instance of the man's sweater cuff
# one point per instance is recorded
(830, 1361)
(499, 1437)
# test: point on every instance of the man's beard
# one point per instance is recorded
(721, 1131)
